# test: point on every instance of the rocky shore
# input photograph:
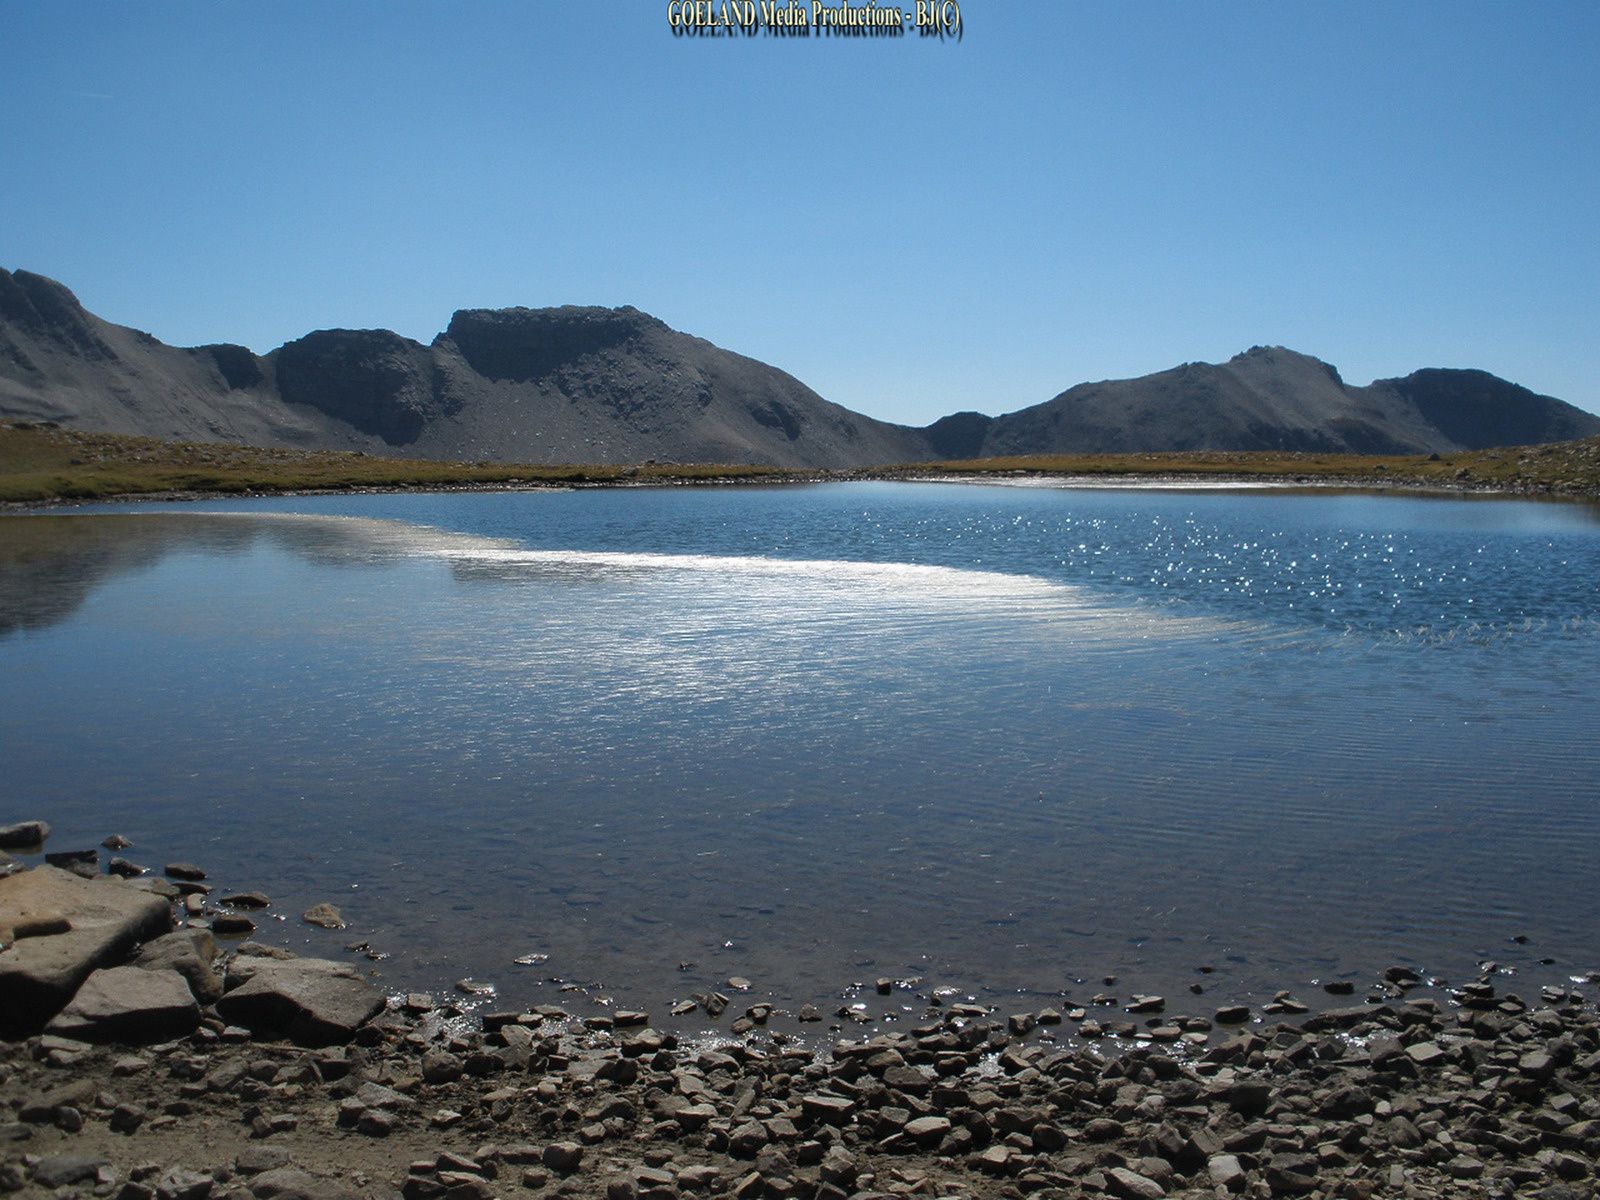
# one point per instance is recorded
(145, 1062)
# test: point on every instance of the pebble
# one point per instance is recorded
(1481, 1094)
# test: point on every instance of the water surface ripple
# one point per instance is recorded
(1004, 739)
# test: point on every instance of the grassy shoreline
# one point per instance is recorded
(47, 465)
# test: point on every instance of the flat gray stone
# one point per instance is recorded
(106, 918)
(311, 1001)
(129, 1004)
(59, 1170)
(249, 960)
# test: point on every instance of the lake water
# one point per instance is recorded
(1003, 739)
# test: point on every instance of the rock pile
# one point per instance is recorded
(1492, 1098)
(180, 1073)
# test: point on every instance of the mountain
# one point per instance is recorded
(1270, 398)
(527, 385)
(616, 385)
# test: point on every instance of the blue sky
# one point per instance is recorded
(1074, 191)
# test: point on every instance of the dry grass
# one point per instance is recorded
(38, 464)
(43, 464)
(1567, 468)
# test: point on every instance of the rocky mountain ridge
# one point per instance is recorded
(615, 385)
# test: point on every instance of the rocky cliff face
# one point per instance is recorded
(616, 385)
(375, 381)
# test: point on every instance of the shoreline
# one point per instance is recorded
(287, 1076)
(42, 468)
(1070, 482)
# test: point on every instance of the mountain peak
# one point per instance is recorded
(522, 344)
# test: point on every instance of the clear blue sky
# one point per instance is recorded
(1074, 191)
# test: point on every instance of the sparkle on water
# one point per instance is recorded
(1003, 739)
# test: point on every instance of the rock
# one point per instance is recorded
(375, 1095)
(440, 1066)
(375, 1122)
(1344, 1018)
(1425, 1053)
(232, 924)
(186, 871)
(179, 1183)
(829, 1109)
(563, 1157)
(1347, 1102)
(284, 1181)
(42, 925)
(1226, 1172)
(107, 918)
(60, 1170)
(124, 869)
(324, 915)
(189, 952)
(116, 842)
(1294, 1174)
(157, 887)
(80, 862)
(927, 1131)
(913, 1081)
(253, 1160)
(1232, 1014)
(250, 900)
(129, 1004)
(747, 1140)
(1249, 1097)
(24, 835)
(1124, 1182)
(839, 1167)
(313, 1001)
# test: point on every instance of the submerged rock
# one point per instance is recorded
(24, 835)
(80, 862)
(325, 916)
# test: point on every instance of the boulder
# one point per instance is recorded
(190, 953)
(105, 919)
(129, 1004)
(312, 1001)
(24, 835)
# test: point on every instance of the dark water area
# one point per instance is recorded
(1002, 739)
